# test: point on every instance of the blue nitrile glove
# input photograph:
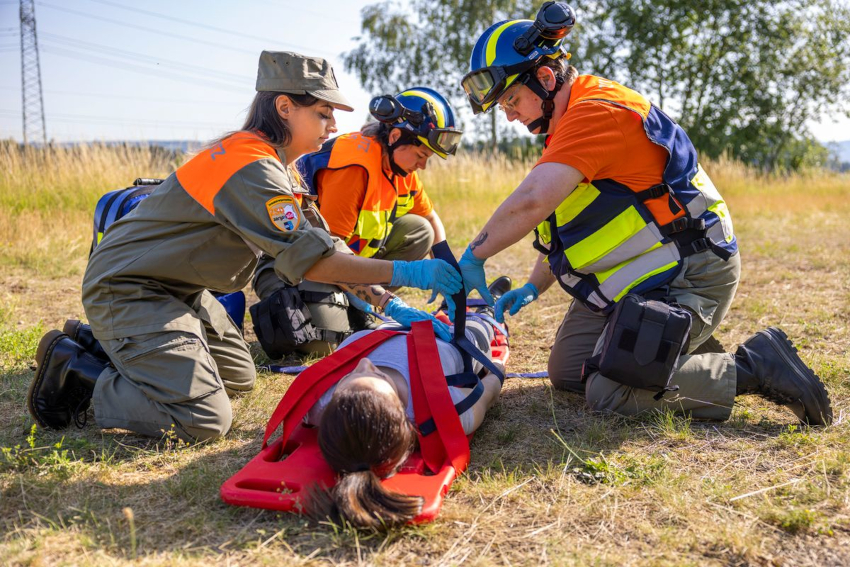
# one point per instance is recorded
(436, 275)
(515, 300)
(358, 303)
(472, 269)
(405, 315)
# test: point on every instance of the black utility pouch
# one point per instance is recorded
(642, 344)
(282, 322)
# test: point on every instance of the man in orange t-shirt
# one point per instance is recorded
(621, 208)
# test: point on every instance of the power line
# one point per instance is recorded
(85, 119)
(97, 48)
(274, 42)
(300, 8)
(194, 24)
(138, 27)
(125, 66)
(131, 97)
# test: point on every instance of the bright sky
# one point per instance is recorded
(177, 70)
(166, 70)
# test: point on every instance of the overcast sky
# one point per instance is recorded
(178, 69)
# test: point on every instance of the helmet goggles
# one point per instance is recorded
(484, 86)
(444, 140)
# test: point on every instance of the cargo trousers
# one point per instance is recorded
(176, 380)
(705, 286)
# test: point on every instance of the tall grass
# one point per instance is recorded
(47, 195)
(47, 198)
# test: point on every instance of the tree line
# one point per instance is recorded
(743, 77)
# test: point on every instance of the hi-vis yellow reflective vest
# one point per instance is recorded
(606, 240)
(384, 201)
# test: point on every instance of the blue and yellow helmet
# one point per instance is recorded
(508, 51)
(422, 112)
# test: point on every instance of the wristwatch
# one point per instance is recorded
(382, 303)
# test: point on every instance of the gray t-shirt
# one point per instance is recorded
(393, 354)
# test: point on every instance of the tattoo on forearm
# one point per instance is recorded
(478, 241)
(362, 295)
(369, 293)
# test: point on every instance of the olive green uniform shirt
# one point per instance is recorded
(203, 228)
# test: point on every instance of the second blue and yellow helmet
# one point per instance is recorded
(422, 112)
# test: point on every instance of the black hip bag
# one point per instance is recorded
(641, 344)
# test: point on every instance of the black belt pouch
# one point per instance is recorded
(642, 344)
(282, 322)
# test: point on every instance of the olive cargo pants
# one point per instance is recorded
(175, 379)
(705, 286)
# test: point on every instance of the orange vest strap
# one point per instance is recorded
(204, 175)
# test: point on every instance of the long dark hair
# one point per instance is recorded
(364, 437)
(263, 118)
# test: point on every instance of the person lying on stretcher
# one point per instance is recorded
(367, 427)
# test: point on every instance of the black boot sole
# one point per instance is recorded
(42, 354)
(786, 349)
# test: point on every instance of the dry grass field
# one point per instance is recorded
(550, 482)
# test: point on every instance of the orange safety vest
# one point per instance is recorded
(386, 198)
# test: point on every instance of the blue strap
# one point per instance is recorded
(429, 426)
(463, 380)
(468, 351)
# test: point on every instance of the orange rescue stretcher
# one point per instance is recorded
(278, 477)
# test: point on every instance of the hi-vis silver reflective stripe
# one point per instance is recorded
(616, 283)
(709, 199)
(645, 239)
(619, 255)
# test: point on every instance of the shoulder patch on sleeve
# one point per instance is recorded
(284, 212)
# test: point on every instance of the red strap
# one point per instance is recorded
(431, 399)
(311, 384)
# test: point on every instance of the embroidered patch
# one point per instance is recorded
(284, 212)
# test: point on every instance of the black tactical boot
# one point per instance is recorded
(500, 287)
(768, 365)
(63, 383)
(497, 289)
(81, 334)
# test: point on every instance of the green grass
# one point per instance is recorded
(17, 348)
(550, 482)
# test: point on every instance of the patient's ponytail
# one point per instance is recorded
(364, 436)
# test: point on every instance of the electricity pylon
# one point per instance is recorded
(33, 101)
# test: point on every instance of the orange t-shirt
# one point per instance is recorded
(603, 141)
(342, 191)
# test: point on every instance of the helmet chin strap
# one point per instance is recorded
(393, 165)
(402, 141)
(548, 104)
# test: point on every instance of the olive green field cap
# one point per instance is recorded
(289, 72)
